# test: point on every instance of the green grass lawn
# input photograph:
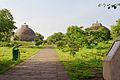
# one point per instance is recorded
(87, 63)
(6, 57)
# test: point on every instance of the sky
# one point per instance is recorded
(50, 16)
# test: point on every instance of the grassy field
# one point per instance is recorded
(86, 64)
(6, 57)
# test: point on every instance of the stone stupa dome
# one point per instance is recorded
(96, 26)
(25, 33)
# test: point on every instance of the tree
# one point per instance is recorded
(39, 36)
(38, 39)
(116, 29)
(55, 38)
(6, 24)
(75, 37)
(104, 34)
(49, 40)
(92, 37)
(38, 42)
(16, 38)
(61, 44)
(75, 33)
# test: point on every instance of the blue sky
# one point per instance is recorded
(49, 16)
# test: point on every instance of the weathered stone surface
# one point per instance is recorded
(25, 33)
(111, 63)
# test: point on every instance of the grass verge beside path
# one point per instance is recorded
(6, 57)
(86, 64)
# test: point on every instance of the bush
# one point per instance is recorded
(60, 44)
(7, 44)
(38, 42)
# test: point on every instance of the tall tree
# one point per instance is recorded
(6, 21)
(6, 24)
(75, 34)
(75, 38)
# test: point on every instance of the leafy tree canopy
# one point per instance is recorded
(116, 29)
(39, 36)
(38, 39)
(6, 25)
(6, 21)
(55, 37)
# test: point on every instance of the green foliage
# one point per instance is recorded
(74, 33)
(6, 25)
(87, 63)
(6, 21)
(38, 39)
(11, 44)
(116, 29)
(74, 47)
(38, 42)
(16, 38)
(6, 57)
(60, 44)
(39, 36)
(7, 44)
(104, 34)
(55, 37)
(74, 38)
(95, 36)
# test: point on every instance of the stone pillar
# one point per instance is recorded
(111, 62)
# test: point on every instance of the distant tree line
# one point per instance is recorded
(7, 27)
(77, 37)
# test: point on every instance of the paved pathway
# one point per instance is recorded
(42, 66)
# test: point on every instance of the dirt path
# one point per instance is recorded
(42, 66)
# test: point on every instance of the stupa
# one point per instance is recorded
(25, 33)
(96, 26)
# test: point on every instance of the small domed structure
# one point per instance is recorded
(96, 26)
(25, 33)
